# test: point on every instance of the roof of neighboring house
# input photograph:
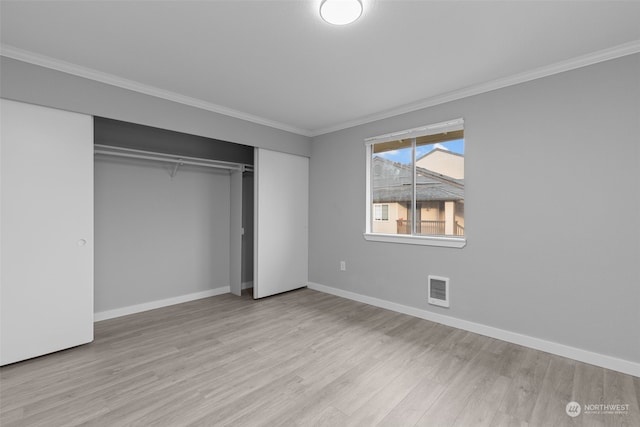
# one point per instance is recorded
(392, 183)
(438, 149)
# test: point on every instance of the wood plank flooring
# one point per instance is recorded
(302, 358)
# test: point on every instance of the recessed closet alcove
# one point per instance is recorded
(162, 226)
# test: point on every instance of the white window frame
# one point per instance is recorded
(441, 241)
(381, 206)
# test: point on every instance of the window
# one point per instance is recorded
(380, 212)
(415, 186)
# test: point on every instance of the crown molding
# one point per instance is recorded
(113, 80)
(624, 49)
(619, 51)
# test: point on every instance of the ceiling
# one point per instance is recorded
(278, 63)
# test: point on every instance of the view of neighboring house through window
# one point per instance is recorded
(420, 182)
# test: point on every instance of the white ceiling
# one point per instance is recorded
(277, 62)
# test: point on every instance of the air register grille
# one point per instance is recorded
(438, 291)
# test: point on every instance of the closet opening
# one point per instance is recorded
(165, 210)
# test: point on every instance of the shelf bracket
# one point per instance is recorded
(175, 168)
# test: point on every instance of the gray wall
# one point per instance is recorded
(552, 204)
(158, 237)
(25, 82)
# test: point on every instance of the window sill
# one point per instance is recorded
(445, 242)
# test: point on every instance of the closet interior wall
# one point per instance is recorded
(157, 236)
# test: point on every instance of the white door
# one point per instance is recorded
(46, 227)
(281, 221)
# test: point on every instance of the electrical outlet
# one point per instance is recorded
(343, 266)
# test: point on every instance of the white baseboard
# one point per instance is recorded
(132, 309)
(247, 285)
(597, 359)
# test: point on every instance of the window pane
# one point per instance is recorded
(392, 186)
(440, 184)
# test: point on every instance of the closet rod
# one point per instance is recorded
(168, 158)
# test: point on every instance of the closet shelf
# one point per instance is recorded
(177, 161)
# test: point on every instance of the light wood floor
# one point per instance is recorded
(302, 359)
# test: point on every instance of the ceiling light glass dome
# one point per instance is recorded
(340, 12)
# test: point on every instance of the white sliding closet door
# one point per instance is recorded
(46, 225)
(281, 222)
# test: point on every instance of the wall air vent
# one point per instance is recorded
(438, 291)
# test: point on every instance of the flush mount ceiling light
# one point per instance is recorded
(340, 12)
